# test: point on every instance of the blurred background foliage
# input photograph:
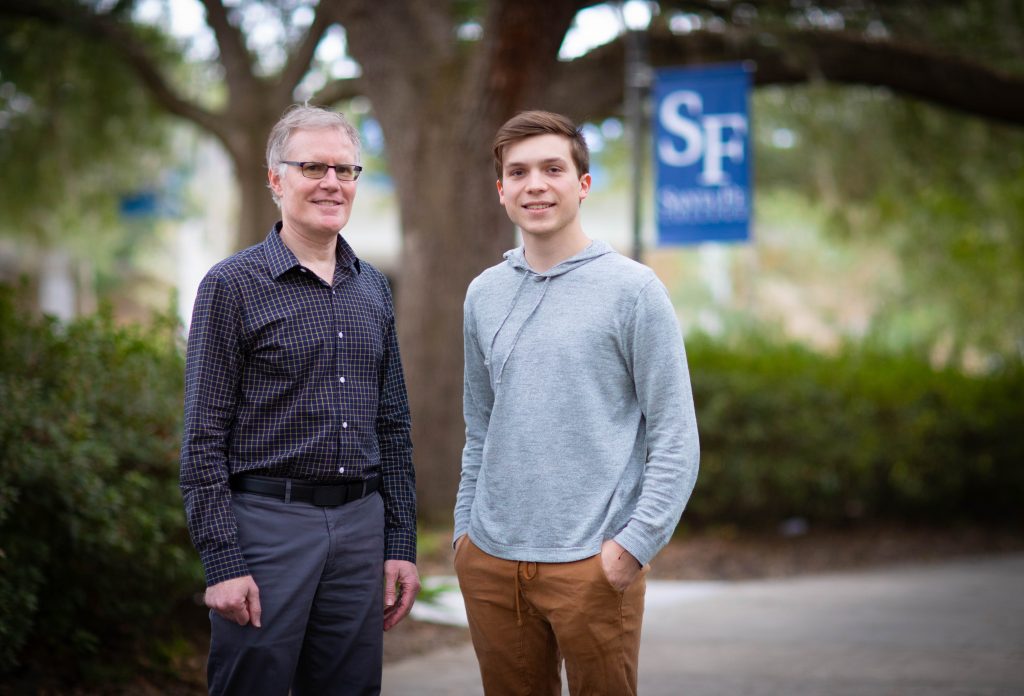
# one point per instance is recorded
(857, 436)
(93, 548)
(942, 192)
(78, 136)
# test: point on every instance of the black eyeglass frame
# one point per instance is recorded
(337, 172)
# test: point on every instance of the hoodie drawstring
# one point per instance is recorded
(511, 307)
(522, 325)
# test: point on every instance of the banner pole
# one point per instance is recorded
(637, 79)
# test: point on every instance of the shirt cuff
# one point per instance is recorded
(224, 563)
(642, 548)
(400, 545)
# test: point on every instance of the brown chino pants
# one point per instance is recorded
(525, 617)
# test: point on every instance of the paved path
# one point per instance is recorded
(955, 628)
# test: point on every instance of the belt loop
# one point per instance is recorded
(287, 490)
(364, 489)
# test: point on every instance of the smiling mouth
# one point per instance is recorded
(539, 206)
(327, 204)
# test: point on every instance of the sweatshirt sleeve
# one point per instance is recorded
(477, 401)
(657, 357)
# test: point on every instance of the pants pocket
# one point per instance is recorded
(646, 568)
(602, 576)
(460, 549)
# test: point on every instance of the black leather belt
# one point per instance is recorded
(295, 491)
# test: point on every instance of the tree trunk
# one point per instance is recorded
(257, 212)
(452, 228)
(439, 103)
(450, 235)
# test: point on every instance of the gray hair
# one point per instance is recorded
(305, 117)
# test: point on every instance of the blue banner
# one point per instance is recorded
(702, 150)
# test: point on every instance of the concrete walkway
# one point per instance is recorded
(936, 629)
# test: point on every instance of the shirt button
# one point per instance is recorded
(341, 470)
(341, 334)
(302, 270)
(341, 379)
(344, 425)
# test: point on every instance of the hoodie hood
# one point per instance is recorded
(516, 258)
(596, 249)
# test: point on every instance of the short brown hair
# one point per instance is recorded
(527, 124)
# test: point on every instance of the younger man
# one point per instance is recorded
(581, 440)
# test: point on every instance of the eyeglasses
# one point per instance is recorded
(318, 170)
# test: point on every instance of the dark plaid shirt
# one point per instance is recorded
(288, 376)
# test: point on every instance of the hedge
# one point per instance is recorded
(855, 436)
(93, 546)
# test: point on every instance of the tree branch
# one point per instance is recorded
(125, 42)
(591, 86)
(338, 90)
(234, 55)
(302, 56)
(512, 63)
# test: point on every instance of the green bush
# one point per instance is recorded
(855, 436)
(93, 546)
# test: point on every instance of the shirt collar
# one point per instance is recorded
(280, 258)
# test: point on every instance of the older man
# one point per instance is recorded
(296, 464)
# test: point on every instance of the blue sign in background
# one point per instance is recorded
(702, 150)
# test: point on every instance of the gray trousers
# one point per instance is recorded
(320, 573)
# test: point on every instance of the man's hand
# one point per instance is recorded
(396, 606)
(619, 565)
(237, 599)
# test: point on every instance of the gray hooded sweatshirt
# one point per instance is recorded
(580, 424)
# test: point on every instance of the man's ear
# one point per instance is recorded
(585, 186)
(501, 192)
(275, 181)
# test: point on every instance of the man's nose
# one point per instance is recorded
(331, 179)
(535, 180)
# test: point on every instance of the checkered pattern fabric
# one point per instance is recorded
(288, 376)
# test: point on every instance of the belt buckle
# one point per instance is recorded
(328, 496)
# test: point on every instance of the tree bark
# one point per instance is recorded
(256, 208)
(439, 103)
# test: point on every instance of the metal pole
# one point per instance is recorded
(637, 79)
